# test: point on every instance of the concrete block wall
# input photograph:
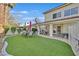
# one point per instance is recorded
(73, 40)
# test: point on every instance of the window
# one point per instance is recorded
(59, 29)
(74, 11)
(67, 12)
(59, 14)
(71, 11)
(54, 15)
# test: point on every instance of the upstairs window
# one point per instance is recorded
(71, 11)
(54, 15)
(74, 11)
(59, 14)
(67, 12)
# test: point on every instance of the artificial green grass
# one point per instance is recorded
(37, 46)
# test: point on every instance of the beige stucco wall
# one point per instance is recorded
(48, 16)
(65, 28)
(43, 27)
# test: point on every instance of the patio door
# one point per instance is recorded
(58, 29)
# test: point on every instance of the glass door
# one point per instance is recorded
(59, 29)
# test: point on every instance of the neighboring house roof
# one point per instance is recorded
(65, 4)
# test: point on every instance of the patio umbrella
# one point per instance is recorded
(30, 28)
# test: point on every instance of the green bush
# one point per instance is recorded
(6, 29)
(34, 30)
(19, 30)
(13, 29)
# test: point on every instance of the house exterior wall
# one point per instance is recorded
(2, 20)
(65, 28)
(49, 15)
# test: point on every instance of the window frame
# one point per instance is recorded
(67, 12)
(74, 11)
(58, 14)
(54, 15)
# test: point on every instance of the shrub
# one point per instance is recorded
(34, 30)
(13, 29)
(6, 29)
(19, 30)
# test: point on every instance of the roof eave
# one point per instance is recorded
(65, 4)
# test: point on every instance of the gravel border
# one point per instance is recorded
(4, 52)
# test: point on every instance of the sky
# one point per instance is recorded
(26, 12)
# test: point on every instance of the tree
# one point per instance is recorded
(13, 29)
(37, 22)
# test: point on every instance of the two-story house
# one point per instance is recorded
(63, 21)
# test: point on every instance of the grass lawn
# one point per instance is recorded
(37, 46)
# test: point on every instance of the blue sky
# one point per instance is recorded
(25, 12)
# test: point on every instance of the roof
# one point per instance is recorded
(65, 4)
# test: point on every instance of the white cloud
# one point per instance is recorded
(33, 18)
(41, 17)
(34, 11)
(24, 12)
(19, 12)
(29, 18)
(19, 15)
(26, 16)
(12, 11)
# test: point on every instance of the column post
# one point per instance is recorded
(50, 30)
